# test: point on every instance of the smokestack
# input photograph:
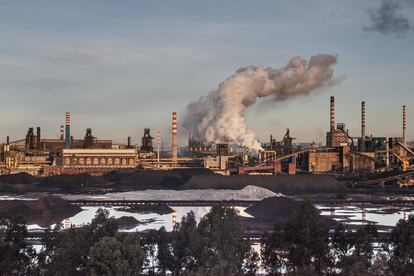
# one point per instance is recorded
(129, 142)
(332, 121)
(158, 147)
(404, 127)
(62, 131)
(362, 126)
(67, 131)
(7, 140)
(38, 137)
(174, 139)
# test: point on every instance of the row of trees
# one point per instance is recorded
(306, 247)
(214, 246)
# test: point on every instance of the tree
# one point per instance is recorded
(119, 255)
(273, 251)
(165, 258)
(364, 239)
(66, 252)
(16, 254)
(303, 246)
(182, 243)
(220, 247)
(251, 262)
(356, 250)
(342, 243)
(402, 247)
(307, 241)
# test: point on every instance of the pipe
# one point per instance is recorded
(67, 131)
(174, 139)
(362, 126)
(404, 127)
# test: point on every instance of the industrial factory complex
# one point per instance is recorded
(342, 153)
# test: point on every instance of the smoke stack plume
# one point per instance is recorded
(220, 116)
(174, 139)
(404, 127)
(67, 131)
(363, 126)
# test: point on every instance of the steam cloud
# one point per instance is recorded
(220, 116)
(388, 19)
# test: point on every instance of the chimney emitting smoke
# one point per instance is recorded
(221, 116)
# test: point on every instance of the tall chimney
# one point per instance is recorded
(62, 131)
(362, 126)
(38, 137)
(158, 147)
(404, 127)
(332, 121)
(7, 140)
(174, 140)
(129, 142)
(67, 131)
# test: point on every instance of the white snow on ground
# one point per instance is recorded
(247, 193)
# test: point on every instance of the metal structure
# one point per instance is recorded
(146, 145)
(88, 140)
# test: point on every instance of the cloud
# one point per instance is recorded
(388, 19)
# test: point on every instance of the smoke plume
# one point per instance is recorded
(388, 19)
(220, 116)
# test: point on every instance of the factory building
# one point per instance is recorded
(220, 161)
(198, 148)
(97, 159)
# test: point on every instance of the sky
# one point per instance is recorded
(121, 66)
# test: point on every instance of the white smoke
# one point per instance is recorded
(220, 116)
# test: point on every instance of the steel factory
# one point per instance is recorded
(343, 153)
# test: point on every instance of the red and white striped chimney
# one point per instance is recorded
(174, 139)
(332, 125)
(404, 127)
(362, 126)
(158, 147)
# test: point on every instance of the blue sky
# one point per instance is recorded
(120, 66)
